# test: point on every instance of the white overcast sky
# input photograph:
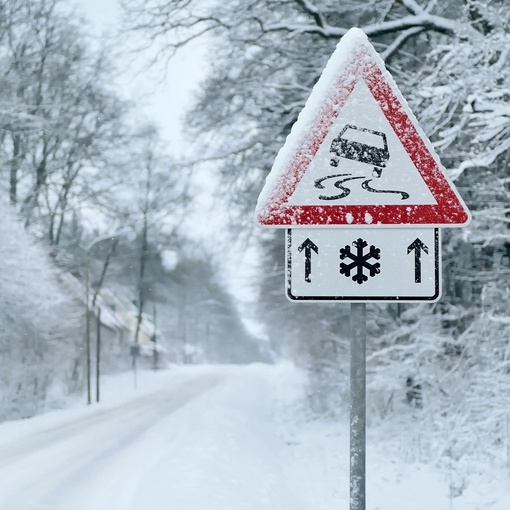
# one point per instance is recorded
(163, 100)
(166, 103)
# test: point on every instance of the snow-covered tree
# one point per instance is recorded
(208, 320)
(61, 114)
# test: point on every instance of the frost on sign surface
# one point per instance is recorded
(361, 165)
(356, 155)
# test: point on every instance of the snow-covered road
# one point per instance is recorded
(211, 438)
(194, 439)
(90, 460)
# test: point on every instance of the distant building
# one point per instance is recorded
(118, 328)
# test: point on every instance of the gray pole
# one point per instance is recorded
(358, 405)
(87, 325)
(135, 378)
(87, 303)
(98, 352)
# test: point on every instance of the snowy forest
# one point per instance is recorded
(95, 208)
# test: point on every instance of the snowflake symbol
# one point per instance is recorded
(360, 261)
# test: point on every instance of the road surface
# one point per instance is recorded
(205, 438)
(87, 461)
(217, 438)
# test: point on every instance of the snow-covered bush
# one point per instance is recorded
(461, 380)
(40, 328)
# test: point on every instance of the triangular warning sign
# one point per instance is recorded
(356, 155)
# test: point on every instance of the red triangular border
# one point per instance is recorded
(449, 210)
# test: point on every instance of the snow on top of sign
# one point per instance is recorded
(356, 70)
(322, 91)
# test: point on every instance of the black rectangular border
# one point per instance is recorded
(427, 299)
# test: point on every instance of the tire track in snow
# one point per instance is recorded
(84, 448)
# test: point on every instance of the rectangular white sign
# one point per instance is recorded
(364, 264)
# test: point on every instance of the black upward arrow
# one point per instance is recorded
(308, 246)
(417, 245)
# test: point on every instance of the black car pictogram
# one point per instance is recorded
(347, 145)
(357, 144)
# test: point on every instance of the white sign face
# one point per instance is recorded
(363, 264)
(361, 161)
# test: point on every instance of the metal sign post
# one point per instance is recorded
(358, 406)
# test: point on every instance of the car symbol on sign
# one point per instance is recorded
(350, 144)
